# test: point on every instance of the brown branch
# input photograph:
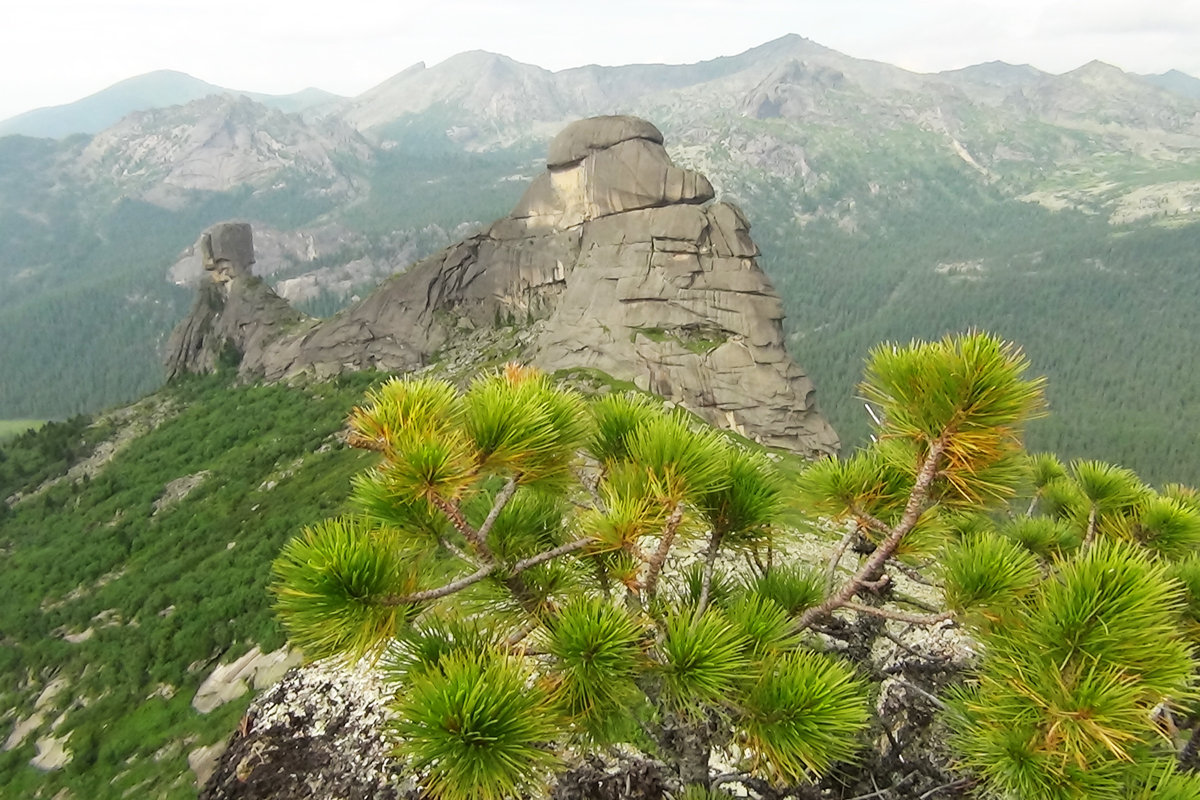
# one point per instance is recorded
(441, 591)
(866, 520)
(518, 636)
(592, 488)
(877, 585)
(502, 498)
(710, 563)
(483, 572)
(912, 512)
(912, 574)
(1033, 501)
(836, 560)
(899, 616)
(455, 551)
(550, 555)
(455, 515)
(1091, 528)
(655, 564)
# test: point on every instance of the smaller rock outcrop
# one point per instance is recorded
(615, 260)
(318, 733)
(235, 311)
(230, 681)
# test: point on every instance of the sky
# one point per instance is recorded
(57, 51)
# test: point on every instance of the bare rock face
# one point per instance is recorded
(611, 258)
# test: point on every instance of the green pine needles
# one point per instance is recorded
(542, 575)
(1063, 706)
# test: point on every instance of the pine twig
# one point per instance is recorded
(483, 572)
(455, 551)
(899, 616)
(655, 564)
(912, 512)
(441, 591)
(836, 559)
(912, 574)
(1091, 529)
(550, 555)
(710, 563)
(502, 498)
(455, 515)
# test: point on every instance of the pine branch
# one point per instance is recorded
(484, 572)
(455, 515)
(655, 564)
(502, 498)
(550, 555)
(836, 560)
(899, 616)
(456, 551)
(441, 591)
(710, 563)
(1091, 528)
(917, 500)
(912, 574)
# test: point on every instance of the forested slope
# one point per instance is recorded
(152, 587)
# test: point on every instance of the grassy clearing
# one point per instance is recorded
(15, 427)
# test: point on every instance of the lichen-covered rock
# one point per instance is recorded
(611, 259)
(318, 733)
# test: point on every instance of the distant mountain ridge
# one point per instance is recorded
(158, 89)
(1176, 81)
(887, 204)
(479, 78)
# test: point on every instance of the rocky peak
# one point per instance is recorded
(613, 260)
(235, 312)
(218, 143)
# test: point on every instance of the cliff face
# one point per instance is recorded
(614, 259)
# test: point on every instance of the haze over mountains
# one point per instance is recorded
(1057, 209)
(158, 89)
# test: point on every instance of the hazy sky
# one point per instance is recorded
(56, 51)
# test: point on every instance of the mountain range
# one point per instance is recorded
(1057, 209)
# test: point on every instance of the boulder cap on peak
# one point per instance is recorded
(602, 166)
(582, 138)
(228, 246)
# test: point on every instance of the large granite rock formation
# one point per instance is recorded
(612, 259)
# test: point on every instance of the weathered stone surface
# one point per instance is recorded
(586, 136)
(52, 753)
(627, 176)
(203, 761)
(610, 261)
(228, 250)
(318, 733)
